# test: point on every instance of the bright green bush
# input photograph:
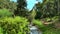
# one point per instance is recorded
(47, 19)
(5, 12)
(55, 18)
(38, 23)
(16, 25)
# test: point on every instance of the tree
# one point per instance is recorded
(32, 16)
(7, 4)
(12, 6)
(48, 8)
(4, 3)
(21, 8)
(38, 10)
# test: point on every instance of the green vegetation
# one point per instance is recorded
(15, 17)
(38, 23)
(14, 25)
(52, 31)
(49, 29)
(5, 12)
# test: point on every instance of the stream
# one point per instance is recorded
(34, 30)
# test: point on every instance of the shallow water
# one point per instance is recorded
(34, 30)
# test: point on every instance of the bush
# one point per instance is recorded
(55, 18)
(16, 25)
(49, 29)
(5, 12)
(38, 23)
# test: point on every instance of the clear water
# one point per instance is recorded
(34, 30)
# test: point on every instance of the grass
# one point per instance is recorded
(52, 31)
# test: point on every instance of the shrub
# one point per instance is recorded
(16, 25)
(49, 29)
(38, 23)
(41, 26)
(55, 18)
(5, 12)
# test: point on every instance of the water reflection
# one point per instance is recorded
(34, 30)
